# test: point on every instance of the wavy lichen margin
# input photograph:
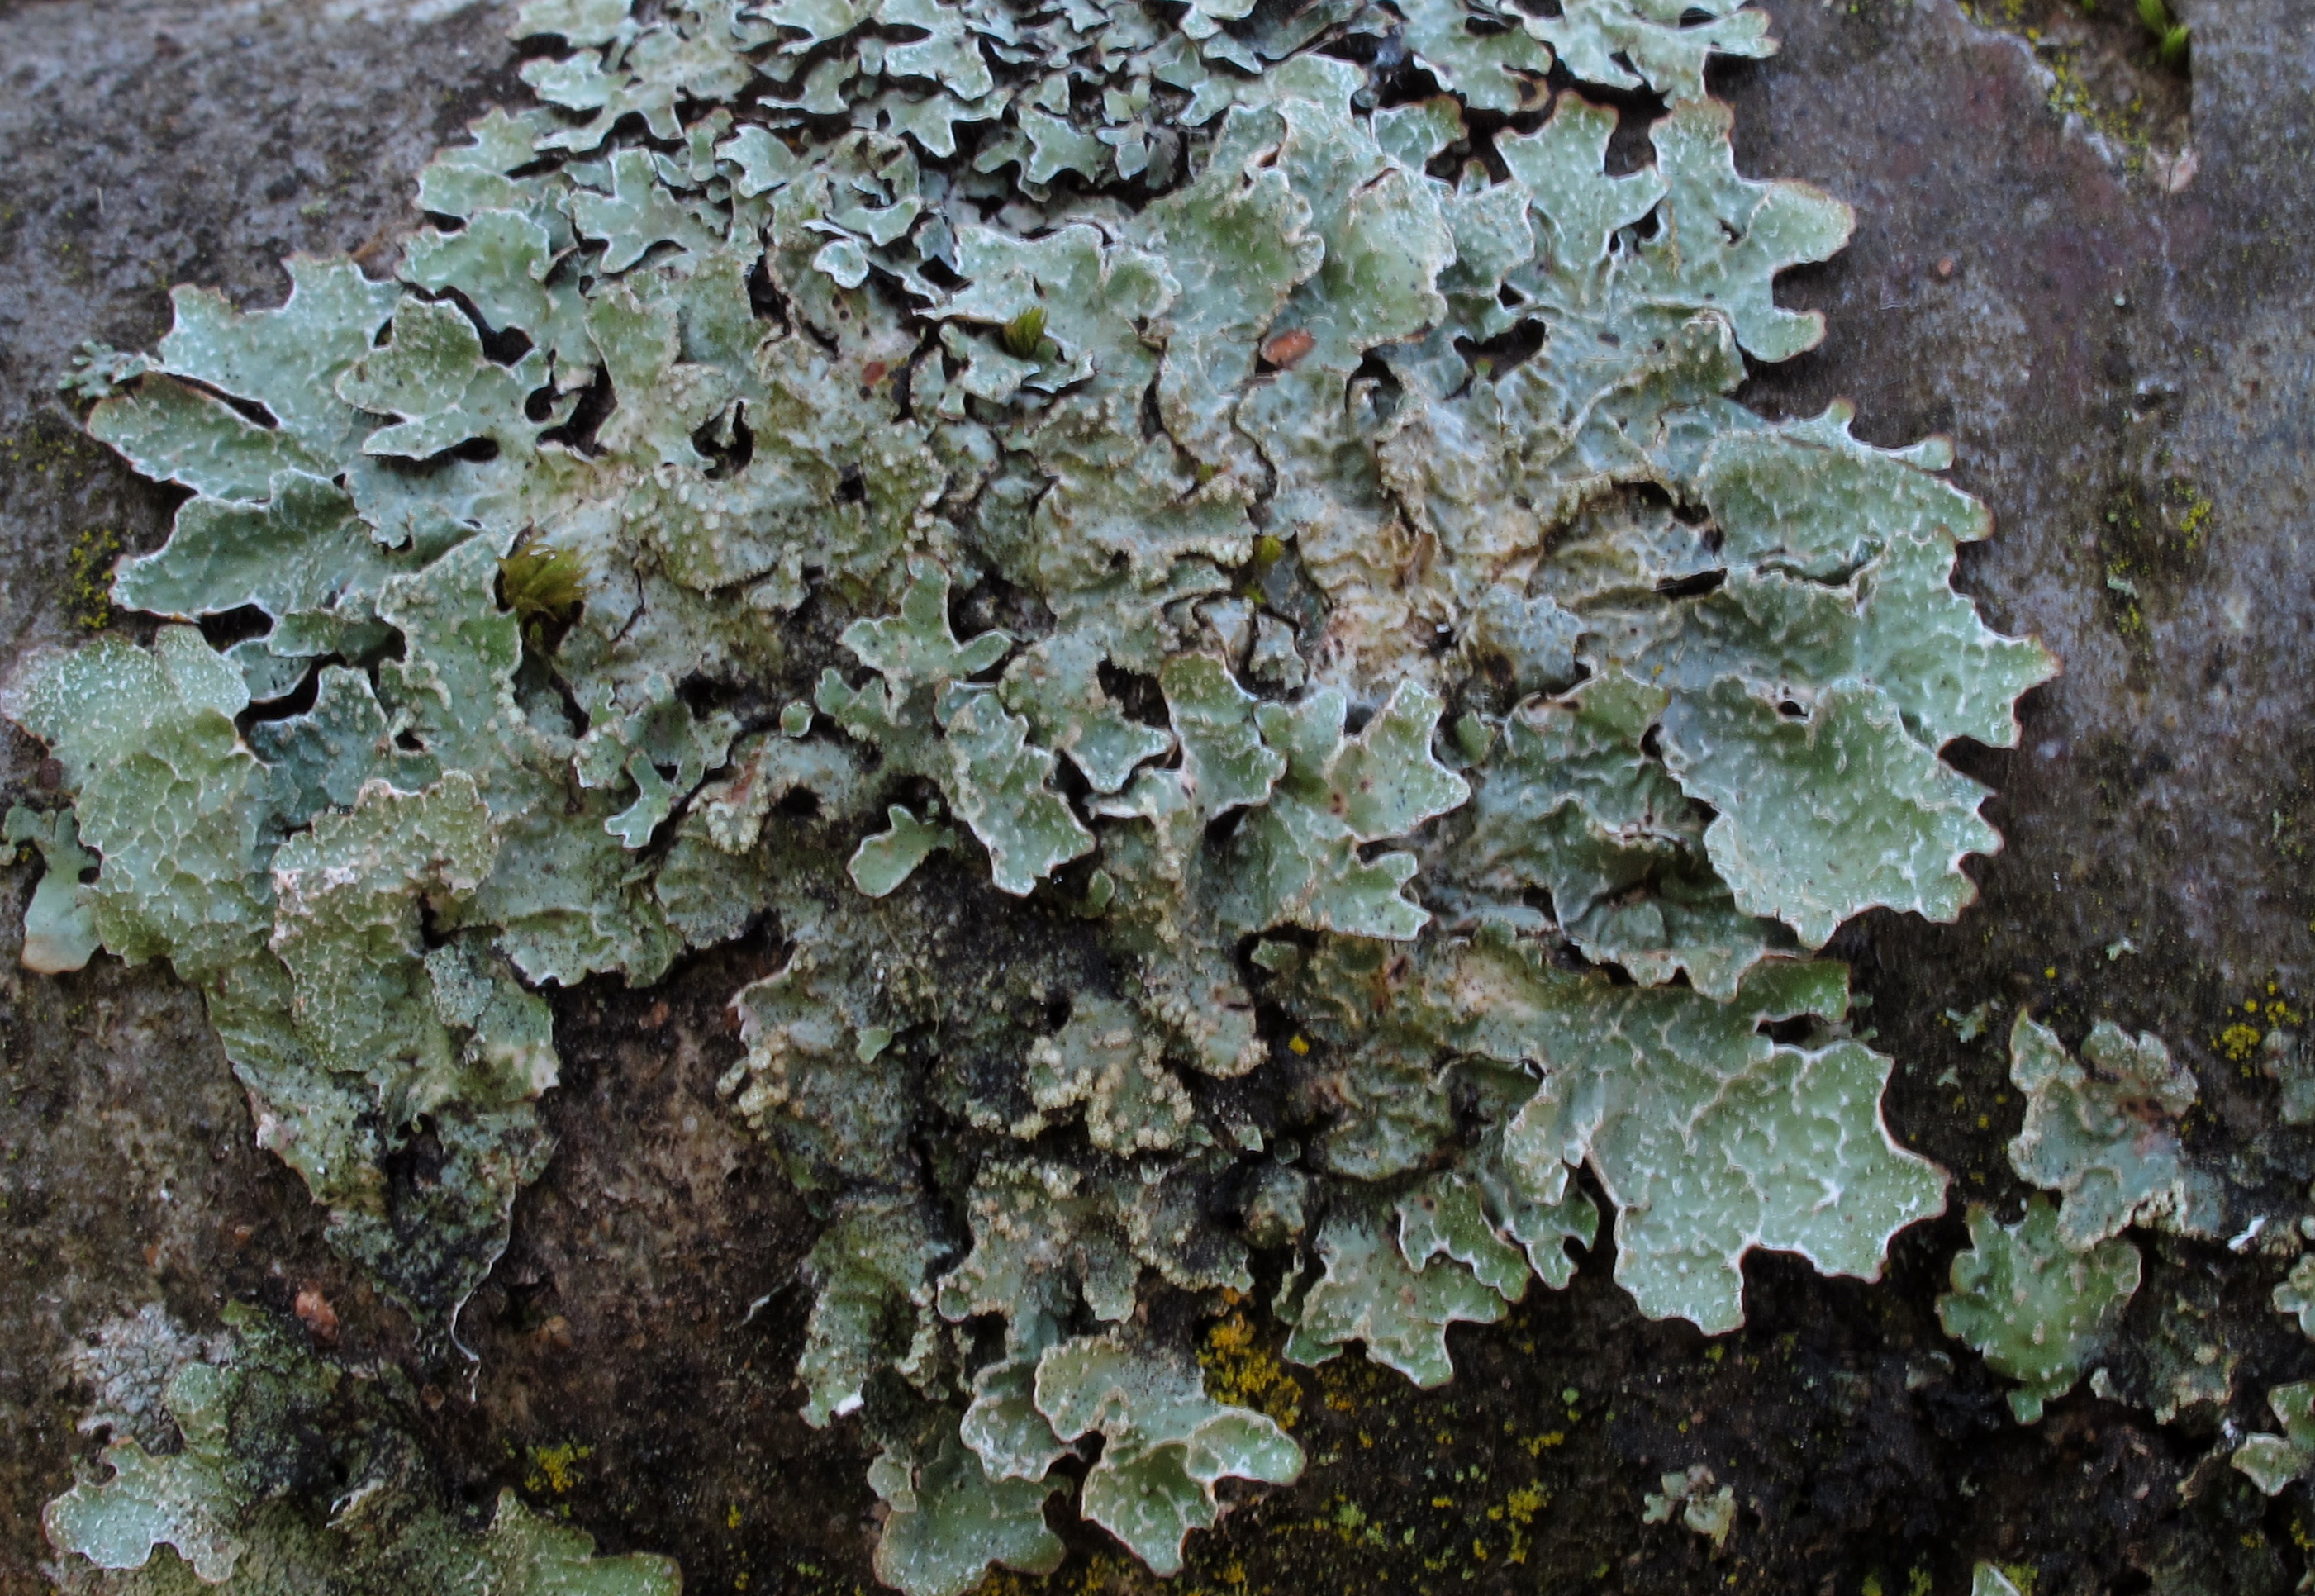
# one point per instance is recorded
(1185, 414)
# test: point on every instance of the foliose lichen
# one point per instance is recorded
(2273, 1462)
(2038, 1309)
(1704, 1511)
(60, 933)
(265, 1469)
(1177, 416)
(2040, 1298)
(2105, 1135)
(2295, 1295)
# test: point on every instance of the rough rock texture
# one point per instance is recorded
(2120, 345)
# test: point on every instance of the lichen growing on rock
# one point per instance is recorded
(2295, 1295)
(2273, 1462)
(272, 1471)
(2105, 1136)
(1704, 1511)
(60, 933)
(2037, 1308)
(1196, 566)
(2040, 1298)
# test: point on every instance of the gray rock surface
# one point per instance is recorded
(2123, 348)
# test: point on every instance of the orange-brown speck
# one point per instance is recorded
(1289, 347)
(314, 1310)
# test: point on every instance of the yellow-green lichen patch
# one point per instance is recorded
(555, 1469)
(88, 577)
(2107, 64)
(2150, 540)
(2263, 1035)
(1244, 1372)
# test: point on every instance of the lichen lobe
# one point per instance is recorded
(1317, 645)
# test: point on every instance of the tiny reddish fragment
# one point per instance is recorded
(313, 1311)
(1286, 347)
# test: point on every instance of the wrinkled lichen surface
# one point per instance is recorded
(1295, 422)
(383, 880)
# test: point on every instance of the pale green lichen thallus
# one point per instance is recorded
(1050, 473)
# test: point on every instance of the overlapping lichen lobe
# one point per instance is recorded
(1334, 808)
